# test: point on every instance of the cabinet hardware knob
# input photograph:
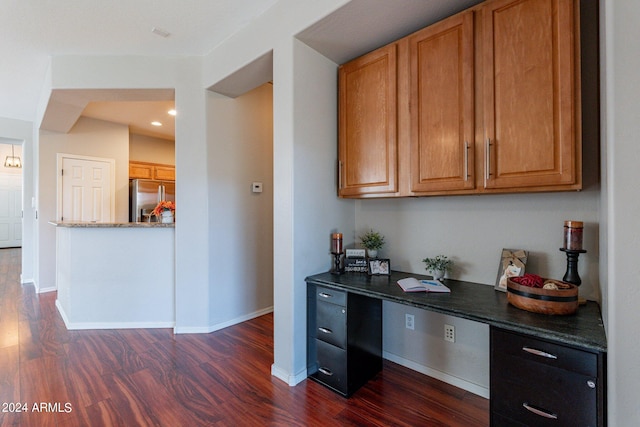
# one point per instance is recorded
(540, 412)
(325, 371)
(539, 353)
(325, 330)
(591, 384)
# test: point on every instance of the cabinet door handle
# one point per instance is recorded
(325, 330)
(324, 295)
(340, 174)
(487, 159)
(540, 412)
(466, 160)
(539, 353)
(325, 371)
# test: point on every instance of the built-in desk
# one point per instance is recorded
(575, 336)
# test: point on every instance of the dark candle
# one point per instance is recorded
(573, 235)
(336, 243)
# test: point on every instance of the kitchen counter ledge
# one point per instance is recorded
(88, 224)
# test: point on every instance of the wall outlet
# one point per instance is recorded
(409, 321)
(449, 333)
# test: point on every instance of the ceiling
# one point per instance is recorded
(31, 31)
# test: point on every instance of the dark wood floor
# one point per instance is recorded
(151, 377)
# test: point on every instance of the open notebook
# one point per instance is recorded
(411, 284)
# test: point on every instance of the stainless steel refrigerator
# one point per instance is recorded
(144, 195)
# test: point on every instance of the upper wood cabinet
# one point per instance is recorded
(367, 131)
(442, 106)
(530, 94)
(486, 101)
(145, 170)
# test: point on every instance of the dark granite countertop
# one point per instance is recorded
(481, 303)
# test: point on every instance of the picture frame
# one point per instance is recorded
(512, 263)
(379, 267)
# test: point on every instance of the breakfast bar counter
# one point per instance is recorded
(115, 275)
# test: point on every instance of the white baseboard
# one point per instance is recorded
(110, 325)
(283, 375)
(218, 326)
(439, 375)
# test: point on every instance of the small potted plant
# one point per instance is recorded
(165, 211)
(438, 266)
(373, 242)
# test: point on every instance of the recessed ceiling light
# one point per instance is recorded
(156, 123)
(172, 112)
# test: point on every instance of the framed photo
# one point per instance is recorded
(512, 264)
(379, 267)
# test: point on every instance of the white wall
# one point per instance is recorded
(240, 144)
(621, 114)
(89, 137)
(317, 212)
(143, 148)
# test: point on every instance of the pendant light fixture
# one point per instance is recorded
(12, 161)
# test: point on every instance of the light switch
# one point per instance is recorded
(256, 187)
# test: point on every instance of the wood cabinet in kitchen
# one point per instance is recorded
(367, 140)
(442, 105)
(145, 170)
(531, 96)
(486, 101)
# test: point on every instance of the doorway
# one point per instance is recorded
(10, 194)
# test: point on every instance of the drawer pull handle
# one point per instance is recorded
(325, 330)
(324, 295)
(539, 353)
(540, 412)
(325, 371)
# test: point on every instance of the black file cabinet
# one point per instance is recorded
(344, 344)
(539, 383)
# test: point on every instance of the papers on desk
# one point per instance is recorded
(411, 284)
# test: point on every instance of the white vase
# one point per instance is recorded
(437, 274)
(167, 217)
(372, 253)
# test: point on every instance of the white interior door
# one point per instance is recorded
(87, 189)
(10, 210)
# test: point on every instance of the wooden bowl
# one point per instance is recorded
(545, 301)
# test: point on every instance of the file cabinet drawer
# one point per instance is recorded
(331, 324)
(332, 296)
(332, 366)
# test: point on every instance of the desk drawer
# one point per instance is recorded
(333, 296)
(332, 366)
(543, 352)
(538, 395)
(331, 324)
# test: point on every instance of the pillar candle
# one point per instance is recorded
(336, 243)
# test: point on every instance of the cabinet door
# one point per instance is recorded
(530, 94)
(442, 106)
(165, 173)
(367, 124)
(140, 171)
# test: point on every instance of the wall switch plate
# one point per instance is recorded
(256, 187)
